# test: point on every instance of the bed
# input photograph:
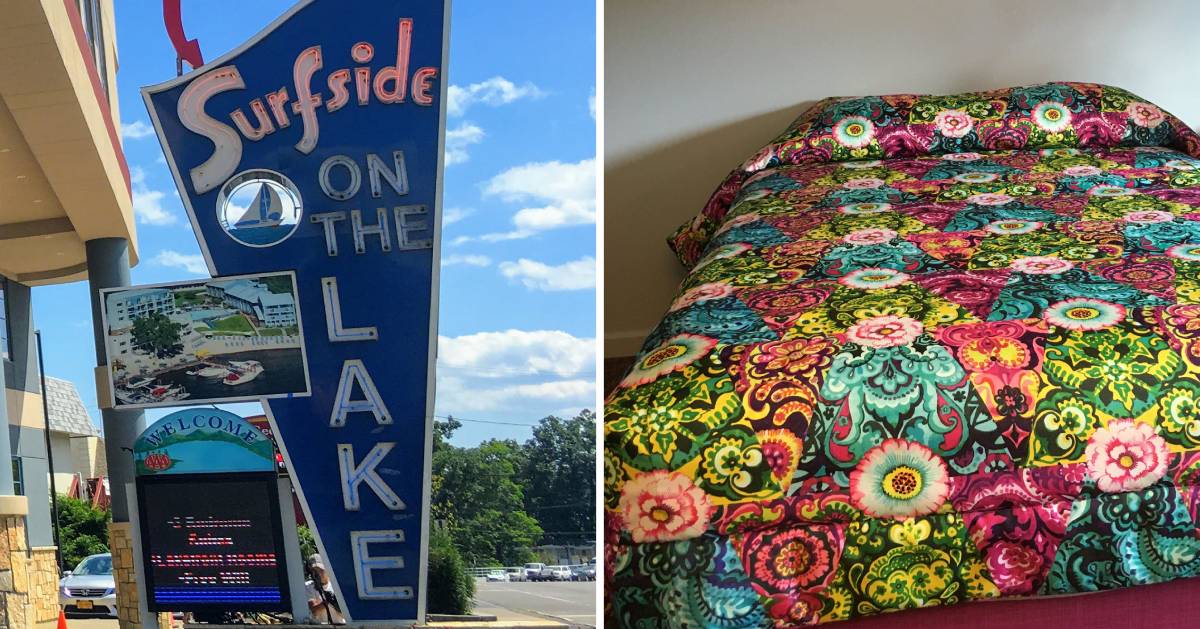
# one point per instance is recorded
(929, 350)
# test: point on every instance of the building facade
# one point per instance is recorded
(65, 215)
(274, 310)
(126, 306)
(76, 446)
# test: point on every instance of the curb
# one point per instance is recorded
(497, 625)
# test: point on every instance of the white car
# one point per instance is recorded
(497, 575)
(89, 588)
(533, 571)
(560, 573)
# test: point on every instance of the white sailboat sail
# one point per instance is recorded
(265, 211)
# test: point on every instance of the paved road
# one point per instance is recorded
(570, 601)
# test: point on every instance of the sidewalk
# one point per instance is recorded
(504, 618)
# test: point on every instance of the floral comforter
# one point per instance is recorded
(931, 349)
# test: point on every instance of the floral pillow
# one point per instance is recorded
(1051, 115)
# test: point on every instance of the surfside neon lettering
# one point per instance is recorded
(391, 85)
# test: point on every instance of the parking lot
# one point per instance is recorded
(573, 602)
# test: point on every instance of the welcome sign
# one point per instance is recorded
(200, 441)
(316, 147)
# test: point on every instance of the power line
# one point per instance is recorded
(577, 504)
(484, 421)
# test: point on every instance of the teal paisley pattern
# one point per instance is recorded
(929, 350)
(1119, 540)
(917, 392)
(696, 583)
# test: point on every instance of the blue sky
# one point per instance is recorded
(517, 284)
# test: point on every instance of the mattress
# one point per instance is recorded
(929, 350)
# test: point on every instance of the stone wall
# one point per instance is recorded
(120, 544)
(14, 576)
(43, 583)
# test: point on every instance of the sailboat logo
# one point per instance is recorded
(266, 211)
(259, 208)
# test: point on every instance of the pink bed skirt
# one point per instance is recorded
(1173, 605)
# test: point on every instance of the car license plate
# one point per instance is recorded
(83, 604)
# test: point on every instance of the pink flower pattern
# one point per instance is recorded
(663, 505)
(1126, 456)
(885, 331)
(954, 123)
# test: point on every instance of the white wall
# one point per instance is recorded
(64, 462)
(692, 87)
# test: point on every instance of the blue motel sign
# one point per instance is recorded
(316, 147)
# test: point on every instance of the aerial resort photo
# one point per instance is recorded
(220, 339)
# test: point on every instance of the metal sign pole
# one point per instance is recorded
(292, 554)
(49, 453)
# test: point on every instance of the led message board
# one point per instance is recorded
(212, 542)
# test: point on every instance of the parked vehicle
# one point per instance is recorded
(497, 575)
(89, 588)
(534, 571)
(560, 573)
(515, 574)
(584, 572)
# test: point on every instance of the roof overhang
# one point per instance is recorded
(63, 176)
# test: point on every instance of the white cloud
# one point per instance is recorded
(136, 130)
(468, 260)
(457, 141)
(495, 91)
(456, 395)
(575, 275)
(455, 214)
(147, 203)
(568, 190)
(192, 263)
(592, 103)
(517, 353)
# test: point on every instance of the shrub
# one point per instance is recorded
(83, 530)
(308, 545)
(451, 587)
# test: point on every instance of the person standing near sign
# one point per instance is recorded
(321, 600)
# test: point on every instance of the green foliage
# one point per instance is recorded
(496, 499)
(451, 587)
(308, 544)
(83, 530)
(233, 323)
(185, 298)
(156, 333)
(559, 476)
(278, 283)
(480, 490)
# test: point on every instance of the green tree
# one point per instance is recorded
(441, 512)
(451, 587)
(308, 544)
(156, 333)
(559, 477)
(478, 498)
(83, 530)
